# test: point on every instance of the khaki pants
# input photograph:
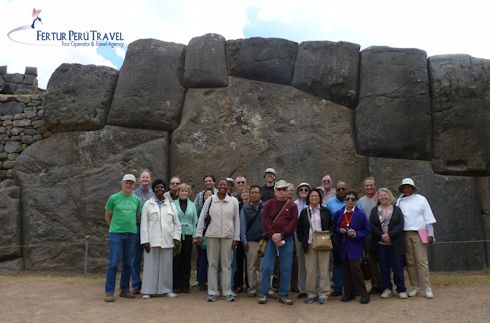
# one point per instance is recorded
(417, 262)
(219, 250)
(253, 262)
(317, 264)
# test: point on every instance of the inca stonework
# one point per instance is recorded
(231, 107)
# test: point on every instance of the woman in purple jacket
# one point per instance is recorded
(351, 226)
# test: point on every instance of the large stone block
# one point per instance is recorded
(66, 180)
(78, 97)
(454, 202)
(205, 62)
(12, 108)
(250, 125)
(329, 70)
(148, 93)
(484, 190)
(393, 116)
(10, 221)
(460, 86)
(262, 59)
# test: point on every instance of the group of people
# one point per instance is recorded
(263, 239)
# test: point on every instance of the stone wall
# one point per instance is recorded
(20, 83)
(232, 107)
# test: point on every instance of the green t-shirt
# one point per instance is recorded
(124, 209)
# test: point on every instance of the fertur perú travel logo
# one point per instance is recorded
(32, 35)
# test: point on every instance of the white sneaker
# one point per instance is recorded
(386, 293)
(403, 295)
(414, 292)
(146, 296)
(170, 294)
(428, 293)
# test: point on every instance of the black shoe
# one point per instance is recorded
(348, 298)
(375, 290)
(302, 295)
(336, 293)
(365, 299)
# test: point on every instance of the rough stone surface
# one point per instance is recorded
(454, 202)
(10, 221)
(12, 147)
(68, 178)
(78, 97)
(329, 70)
(148, 93)
(12, 108)
(31, 71)
(262, 59)
(460, 86)
(251, 125)
(393, 116)
(484, 190)
(205, 62)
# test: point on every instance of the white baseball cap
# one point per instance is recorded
(129, 177)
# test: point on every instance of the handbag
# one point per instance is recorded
(263, 242)
(322, 240)
(207, 219)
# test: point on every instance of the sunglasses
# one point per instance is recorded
(282, 189)
(304, 190)
(341, 189)
(350, 199)
(240, 182)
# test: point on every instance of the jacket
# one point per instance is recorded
(395, 229)
(285, 224)
(188, 220)
(225, 218)
(352, 248)
(159, 225)
(251, 223)
(303, 229)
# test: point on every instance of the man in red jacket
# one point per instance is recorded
(279, 222)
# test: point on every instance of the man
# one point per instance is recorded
(121, 211)
(279, 222)
(367, 203)
(251, 234)
(334, 204)
(209, 181)
(240, 182)
(144, 193)
(268, 188)
(171, 194)
(327, 187)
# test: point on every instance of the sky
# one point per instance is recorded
(438, 27)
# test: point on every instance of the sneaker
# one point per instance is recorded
(195, 284)
(310, 299)
(428, 293)
(414, 292)
(229, 298)
(136, 291)
(109, 298)
(262, 300)
(348, 298)
(322, 300)
(403, 295)
(170, 294)
(146, 296)
(365, 299)
(126, 294)
(285, 300)
(251, 293)
(212, 298)
(386, 293)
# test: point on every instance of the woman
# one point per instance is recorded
(351, 226)
(298, 275)
(202, 257)
(188, 221)
(386, 220)
(419, 231)
(222, 235)
(160, 234)
(313, 218)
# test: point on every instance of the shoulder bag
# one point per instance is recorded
(322, 240)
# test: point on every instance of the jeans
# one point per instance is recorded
(136, 262)
(120, 242)
(286, 262)
(389, 261)
(337, 277)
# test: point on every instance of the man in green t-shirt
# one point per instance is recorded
(121, 210)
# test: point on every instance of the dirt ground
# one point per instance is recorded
(28, 297)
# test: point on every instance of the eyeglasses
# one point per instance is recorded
(326, 181)
(174, 183)
(281, 188)
(350, 199)
(304, 190)
(341, 189)
(240, 182)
